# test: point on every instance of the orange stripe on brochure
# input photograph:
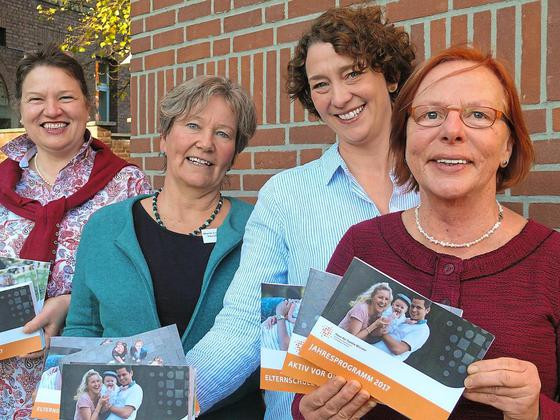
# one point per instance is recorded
(21, 347)
(383, 388)
(47, 411)
(300, 368)
(274, 380)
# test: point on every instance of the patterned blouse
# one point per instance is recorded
(19, 377)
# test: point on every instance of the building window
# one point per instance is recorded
(103, 91)
(2, 37)
(5, 111)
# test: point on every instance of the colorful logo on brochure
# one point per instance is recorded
(326, 331)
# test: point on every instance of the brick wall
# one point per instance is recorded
(251, 41)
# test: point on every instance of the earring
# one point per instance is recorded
(392, 87)
(504, 163)
(162, 154)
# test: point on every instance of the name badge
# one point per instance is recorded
(209, 236)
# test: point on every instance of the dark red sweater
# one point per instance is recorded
(513, 292)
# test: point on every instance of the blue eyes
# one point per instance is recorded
(196, 127)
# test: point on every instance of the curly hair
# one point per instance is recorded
(361, 33)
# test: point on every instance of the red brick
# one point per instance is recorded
(160, 4)
(253, 40)
(161, 20)
(285, 56)
(546, 213)
(140, 7)
(530, 53)
(482, 30)
(459, 30)
(516, 207)
(189, 73)
(221, 6)
(536, 120)
(154, 163)
(258, 86)
(142, 101)
(232, 182)
(160, 87)
(138, 45)
(203, 30)
(240, 3)
(459, 4)
(211, 67)
(254, 182)
(233, 69)
(275, 160)
(316, 134)
(137, 26)
(179, 75)
(243, 161)
(169, 80)
(350, 2)
(133, 104)
(411, 9)
(271, 105)
(274, 13)
(556, 119)
(307, 155)
(174, 36)
(437, 36)
(138, 161)
(221, 47)
(417, 39)
(243, 20)
(151, 94)
(269, 137)
(194, 11)
(157, 181)
(306, 7)
(193, 52)
(505, 38)
(547, 151)
(299, 112)
(246, 72)
(222, 68)
(136, 64)
(553, 51)
(539, 183)
(143, 145)
(160, 59)
(291, 32)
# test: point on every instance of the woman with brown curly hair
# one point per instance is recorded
(346, 69)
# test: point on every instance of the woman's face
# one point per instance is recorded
(94, 384)
(119, 347)
(53, 110)
(380, 300)
(355, 105)
(454, 161)
(200, 147)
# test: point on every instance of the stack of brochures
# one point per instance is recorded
(413, 357)
(145, 373)
(22, 292)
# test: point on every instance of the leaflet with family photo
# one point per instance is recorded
(279, 309)
(318, 290)
(413, 358)
(156, 347)
(17, 307)
(124, 391)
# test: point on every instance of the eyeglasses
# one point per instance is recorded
(472, 116)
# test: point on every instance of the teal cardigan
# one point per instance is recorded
(112, 291)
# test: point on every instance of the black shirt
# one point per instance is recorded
(177, 263)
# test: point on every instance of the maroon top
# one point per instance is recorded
(513, 292)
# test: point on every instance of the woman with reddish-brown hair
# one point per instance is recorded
(458, 137)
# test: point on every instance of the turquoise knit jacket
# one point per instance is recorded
(112, 291)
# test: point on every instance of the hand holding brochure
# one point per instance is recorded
(415, 364)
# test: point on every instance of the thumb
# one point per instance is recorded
(36, 323)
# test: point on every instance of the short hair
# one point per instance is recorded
(427, 302)
(522, 155)
(127, 367)
(52, 56)
(190, 96)
(361, 33)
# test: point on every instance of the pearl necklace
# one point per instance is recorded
(195, 232)
(464, 244)
(39, 171)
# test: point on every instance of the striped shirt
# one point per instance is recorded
(300, 216)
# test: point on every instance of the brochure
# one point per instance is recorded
(318, 291)
(17, 307)
(279, 308)
(150, 391)
(17, 271)
(414, 364)
(156, 347)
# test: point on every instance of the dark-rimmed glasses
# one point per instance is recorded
(472, 116)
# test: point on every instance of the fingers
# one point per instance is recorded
(345, 402)
(321, 395)
(503, 372)
(365, 408)
(36, 323)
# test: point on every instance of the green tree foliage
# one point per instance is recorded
(102, 28)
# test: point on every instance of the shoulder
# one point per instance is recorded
(374, 227)
(131, 172)
(240, 208)
(113, 214)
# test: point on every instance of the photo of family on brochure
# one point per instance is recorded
(138, 392)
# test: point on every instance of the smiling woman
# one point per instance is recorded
(55, 177)
(176, 251)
